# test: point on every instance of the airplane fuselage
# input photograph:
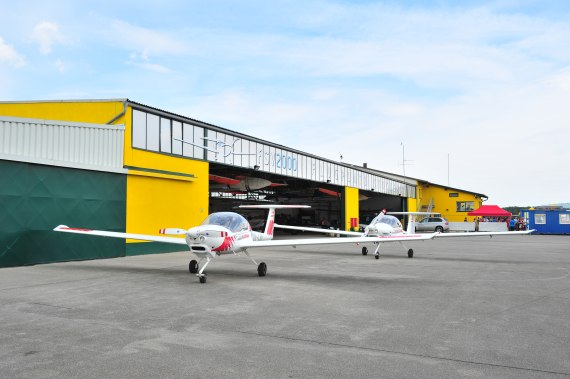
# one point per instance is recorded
(217, 240)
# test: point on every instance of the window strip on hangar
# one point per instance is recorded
(167, 133)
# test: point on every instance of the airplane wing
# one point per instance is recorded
(480, 234)
(319, 230)
(336, 241)
(103, 233)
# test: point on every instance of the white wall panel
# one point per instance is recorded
(60, 143)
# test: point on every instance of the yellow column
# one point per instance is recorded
(351, 208)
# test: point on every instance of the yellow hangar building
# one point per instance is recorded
(123, 166)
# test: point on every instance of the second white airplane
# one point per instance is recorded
(387, 226)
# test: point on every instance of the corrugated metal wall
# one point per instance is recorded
(60, 143)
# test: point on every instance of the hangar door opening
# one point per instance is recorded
(371, 205)
(231, 187)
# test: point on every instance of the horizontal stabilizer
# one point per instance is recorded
(320, 230)
(337, 240)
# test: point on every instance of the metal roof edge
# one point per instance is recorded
(452, 188)
(63, 101)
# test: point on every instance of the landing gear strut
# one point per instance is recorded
(261, 267)
(201, 274)
(377, 252)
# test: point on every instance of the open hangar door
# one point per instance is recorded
(231, 187)
(375, 202)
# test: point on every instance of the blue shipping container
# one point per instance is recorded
(548, 221)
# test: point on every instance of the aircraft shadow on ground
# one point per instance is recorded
(243, 272)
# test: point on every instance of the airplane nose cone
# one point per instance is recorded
(195, 235)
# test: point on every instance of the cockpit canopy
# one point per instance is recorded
(230, 220)
(386, 219)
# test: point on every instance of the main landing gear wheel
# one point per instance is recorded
(262, 269)
(410, 253)
(203, 279)
(193, 266)
(377, 256)
(364, 250)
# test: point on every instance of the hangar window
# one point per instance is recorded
(540, 218)
(152, 132)
(198, 151)
(465, 206)
(564, 218)
(176, 137)
(139, 129)
(453, 194)
(165, 135)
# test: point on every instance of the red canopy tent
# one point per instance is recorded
(490, 210)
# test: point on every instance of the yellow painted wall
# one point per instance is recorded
(444, 204)
(412, 204)
(154, 200)
(351, 206)
(155, 203)
(163, 201)
(98, 112)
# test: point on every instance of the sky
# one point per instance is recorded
(474, 95)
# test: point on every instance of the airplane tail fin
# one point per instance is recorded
(270, 224)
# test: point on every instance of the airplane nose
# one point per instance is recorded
(196, 236)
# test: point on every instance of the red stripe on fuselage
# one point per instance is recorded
(227, 244)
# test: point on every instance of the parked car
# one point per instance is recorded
(433, 224)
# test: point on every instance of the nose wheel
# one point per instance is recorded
(193, 266)
(410, 253)
(364, 250)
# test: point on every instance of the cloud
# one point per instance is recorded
(9, 55)
(59, 65)
(147, 42)
(46, 34)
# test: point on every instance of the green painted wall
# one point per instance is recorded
(36, 198)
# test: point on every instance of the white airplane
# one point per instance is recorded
(224, 233)
(385, 225)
